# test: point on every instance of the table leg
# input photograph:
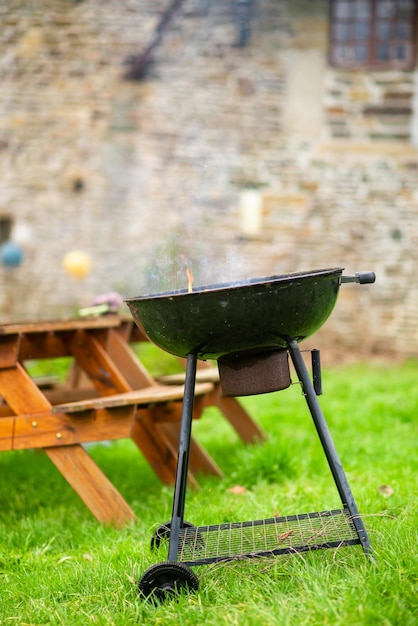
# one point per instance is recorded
(77, 467)
(157, 449)
(89, 482)
(199, 460)
(237, 416)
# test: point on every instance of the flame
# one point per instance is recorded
(190, 278)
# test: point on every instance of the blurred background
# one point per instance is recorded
(238, 138)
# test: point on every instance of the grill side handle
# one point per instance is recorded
(363, 278)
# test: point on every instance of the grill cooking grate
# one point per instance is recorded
(200, 545)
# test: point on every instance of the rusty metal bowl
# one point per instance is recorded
(257, 315)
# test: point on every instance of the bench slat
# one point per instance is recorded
(148, 395)
(210, 374)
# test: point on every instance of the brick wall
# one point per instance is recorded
(146, 175)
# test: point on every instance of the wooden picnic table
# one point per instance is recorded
(109, 395)
(121, 401)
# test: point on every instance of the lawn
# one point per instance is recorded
(59, 566)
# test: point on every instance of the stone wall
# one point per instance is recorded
(146, 176)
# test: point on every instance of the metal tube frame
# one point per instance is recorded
(334, 462)
(337, 471)
(179, 499)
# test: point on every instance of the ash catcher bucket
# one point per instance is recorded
(248, 375)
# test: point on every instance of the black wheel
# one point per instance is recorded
(163, 532)
(164, 580)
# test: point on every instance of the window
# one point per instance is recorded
(5, 227)
(373, 34)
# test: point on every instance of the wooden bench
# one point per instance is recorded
(114, 417)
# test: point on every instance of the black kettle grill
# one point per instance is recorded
(250, 328)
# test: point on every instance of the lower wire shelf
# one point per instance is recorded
(200, 545)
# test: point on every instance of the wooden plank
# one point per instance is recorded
(149, 395)
(105, 502)
(136, 375)
(199, 459)
(98, 365)
(9, 350)
(77, 378)
(6, 433)
(44, 345)
(105, 321)
(202, 375)
(5, 410)
(165, 412)
(131, 332)
(64, 395)
(157, 448)
(248, 430)
(125, 328)
(20, 392)
(44, 430)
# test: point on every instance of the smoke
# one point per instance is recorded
(168, 266)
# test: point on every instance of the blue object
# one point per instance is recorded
(11, 255)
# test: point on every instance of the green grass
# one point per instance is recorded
(59, 566)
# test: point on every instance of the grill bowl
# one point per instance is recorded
(256, 315)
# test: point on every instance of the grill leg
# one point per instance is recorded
(180, 487)
(334, 462)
